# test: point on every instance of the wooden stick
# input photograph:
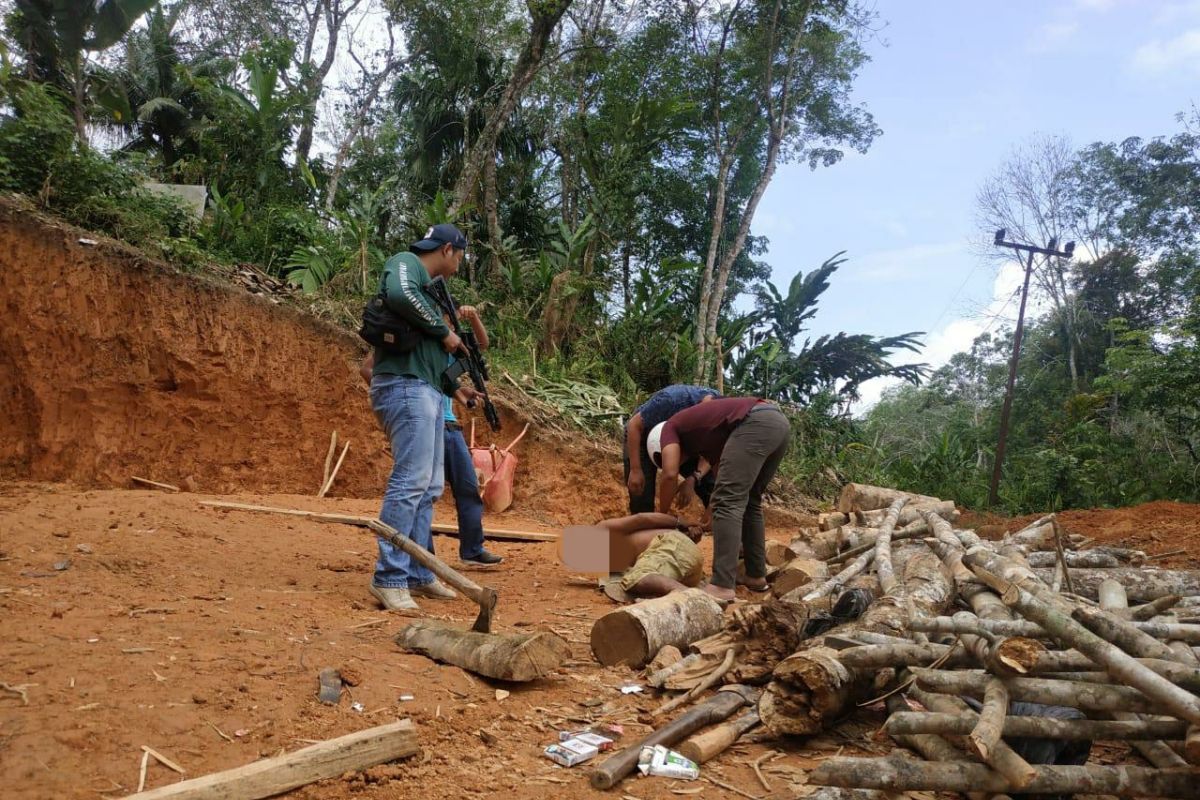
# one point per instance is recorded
(332, 475)
(914, 530)
(842, 578)
(364, 522)
(986, 735)
(272, 776)
(946, 724)
(710, 681)
(883, 546)
(1062, 559)
(897, 774)
(147, 482)
(166, 762)
(328, 460)
(1148, 611)
(142, 771)
(1157, 556)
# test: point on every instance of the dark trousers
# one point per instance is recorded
(751, 455)
(644, 502)
(464, 483)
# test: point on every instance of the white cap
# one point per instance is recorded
(654, 443)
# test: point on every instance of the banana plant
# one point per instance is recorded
(57, 35)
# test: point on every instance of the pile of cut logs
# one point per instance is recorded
(999, 662)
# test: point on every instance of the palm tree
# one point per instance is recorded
(167, 108)
(768, 364)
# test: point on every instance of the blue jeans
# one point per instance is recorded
(464, 484)
(410, 412)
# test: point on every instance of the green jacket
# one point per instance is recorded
(404, 280)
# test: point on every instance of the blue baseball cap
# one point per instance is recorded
(440, 236)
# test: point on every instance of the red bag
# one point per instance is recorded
(496, 470)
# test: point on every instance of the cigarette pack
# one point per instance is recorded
(601, 743)
(570, 752)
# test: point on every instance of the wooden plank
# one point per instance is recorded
(501, 534)
(154, 484)
(272, 776)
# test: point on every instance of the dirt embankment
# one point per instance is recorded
(113, 365)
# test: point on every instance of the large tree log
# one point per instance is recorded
(273, 776)
(710, 743)
(864, 497)
(779, 553)
(1141, 584)
(633, 634)
(896, 774)
(812, 687)
(1075, 559)
(1073, 694)
(1116, 662)
(796, 573)
(715, 709)
(913, 722)
(1125, 635)
(517, 657)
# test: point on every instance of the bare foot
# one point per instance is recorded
(720, 593)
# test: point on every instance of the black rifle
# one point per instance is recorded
(471, 361)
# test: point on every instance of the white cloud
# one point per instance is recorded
(958, 334)
(896, 228)
(1170, 55)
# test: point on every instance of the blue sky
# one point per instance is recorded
(955, 86)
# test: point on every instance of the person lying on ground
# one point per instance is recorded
(657, 553)
(743, 439)
(640, 471)
(459, 469)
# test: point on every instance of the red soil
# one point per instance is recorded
(200, 633)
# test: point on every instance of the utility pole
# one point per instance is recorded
(1050, 251)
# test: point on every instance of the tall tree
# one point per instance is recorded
(544, 18)
(773, 80)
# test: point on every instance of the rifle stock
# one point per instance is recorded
(471, 361)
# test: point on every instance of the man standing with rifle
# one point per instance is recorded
(407, 383)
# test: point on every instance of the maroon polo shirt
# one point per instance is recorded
(703, 429)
